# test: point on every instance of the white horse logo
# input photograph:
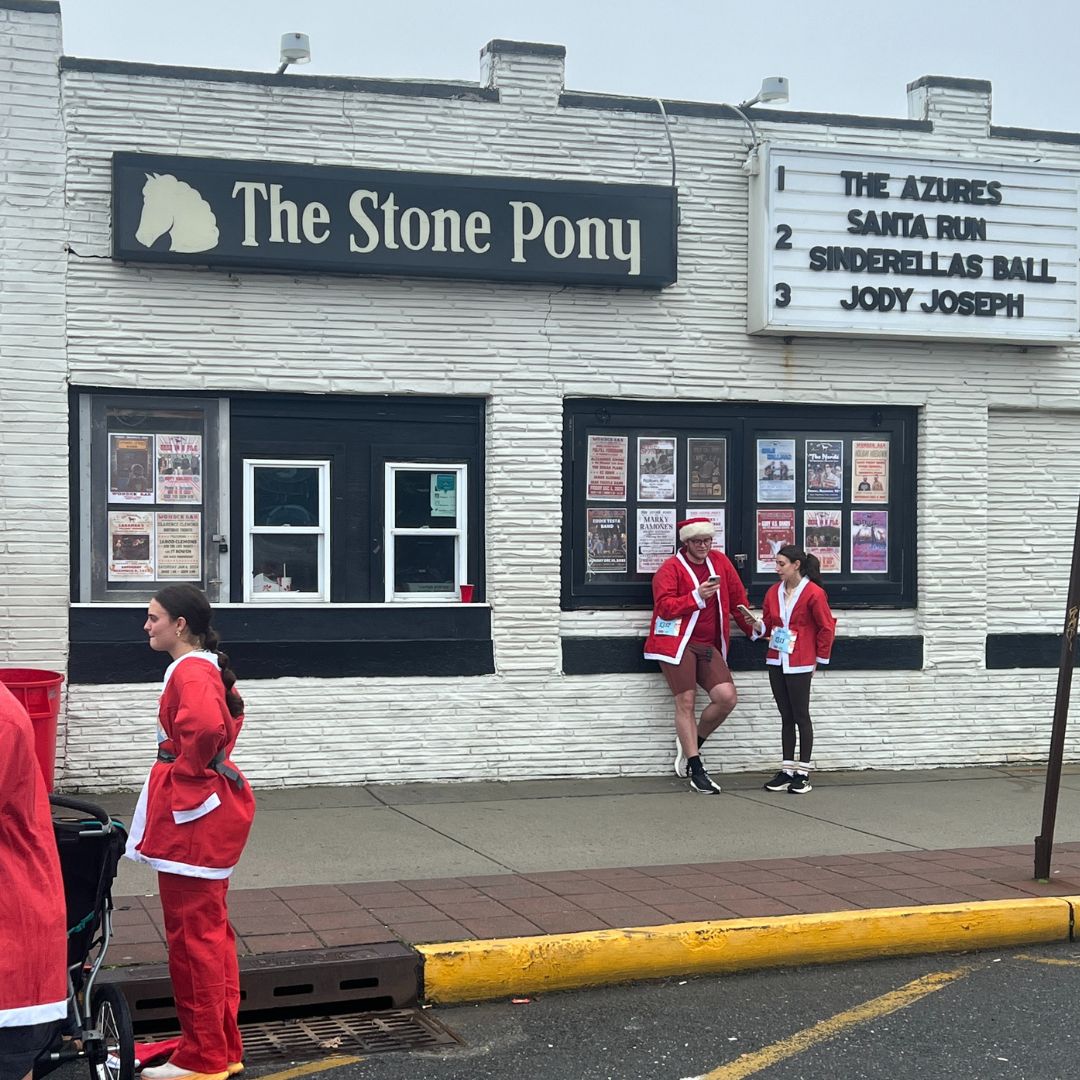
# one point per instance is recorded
(170, 205)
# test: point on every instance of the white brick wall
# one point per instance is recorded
(34, 569)
(526, 347)
(1034, 486)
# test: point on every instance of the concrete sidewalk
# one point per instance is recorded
(333, 867)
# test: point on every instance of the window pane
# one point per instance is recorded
(284, 563)
(425, 499)
(286, 495)
(425, 563)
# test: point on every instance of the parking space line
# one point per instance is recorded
(751, 1063)
(1052, 961)
(313, 1067)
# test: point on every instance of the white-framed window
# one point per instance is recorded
(286, 531)
(426, 531)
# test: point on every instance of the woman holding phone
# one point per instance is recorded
(800, 627)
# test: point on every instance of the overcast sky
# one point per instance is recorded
(840, 56)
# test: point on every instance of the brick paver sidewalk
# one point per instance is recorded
(300, 917)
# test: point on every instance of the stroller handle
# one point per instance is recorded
(89, 809)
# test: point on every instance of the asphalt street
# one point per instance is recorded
(993, 1016)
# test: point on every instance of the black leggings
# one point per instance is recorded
(792, 696)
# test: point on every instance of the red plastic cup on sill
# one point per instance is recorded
(466, 594)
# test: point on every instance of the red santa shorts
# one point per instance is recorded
(701, 665)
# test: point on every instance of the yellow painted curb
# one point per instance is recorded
(478, 970)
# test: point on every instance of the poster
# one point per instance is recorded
(606, 549)
(706, 471)
(869, 541)
(824, 470)
(775, 470)
(655, 539)
(179, 468)
(821, 537)
(131, 468)
(607, 467)
(775, 528)
(178, 545)
(131, 546)
(444, 494)
(656, 470)
(870, 471)
(716, 516)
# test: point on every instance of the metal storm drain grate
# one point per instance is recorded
(344, 1033)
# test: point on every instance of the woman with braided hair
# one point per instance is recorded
(191, 825)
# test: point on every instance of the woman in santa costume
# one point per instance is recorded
(33, 919)
(800, 627)
(696, 594)
(190, 825)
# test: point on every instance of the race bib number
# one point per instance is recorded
(783, 640)
(668, 627)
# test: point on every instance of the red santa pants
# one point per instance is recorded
(204, 972)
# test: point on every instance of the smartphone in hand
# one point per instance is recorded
(746, 611)
(713, 579)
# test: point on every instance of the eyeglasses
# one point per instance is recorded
(700, 540)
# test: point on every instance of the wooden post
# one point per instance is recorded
(1044, 842)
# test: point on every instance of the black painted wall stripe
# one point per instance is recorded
(1022, 651)
(623, 655)
(108, 644)
(135, 663)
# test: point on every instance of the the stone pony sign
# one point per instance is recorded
(262, 215)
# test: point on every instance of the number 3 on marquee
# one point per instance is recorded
(783, 294)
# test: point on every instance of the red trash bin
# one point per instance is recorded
(39, 692)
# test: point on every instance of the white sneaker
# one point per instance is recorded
(169, 1071)
(680, 758)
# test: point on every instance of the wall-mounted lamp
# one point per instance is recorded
(773, 88)
(295, 49)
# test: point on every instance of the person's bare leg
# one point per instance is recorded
(722, 701)
(685, 727)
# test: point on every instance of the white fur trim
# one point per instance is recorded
(182, 817)
(696, 529)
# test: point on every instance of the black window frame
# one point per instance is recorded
(359, 435)
(742, 423)
(341, 638)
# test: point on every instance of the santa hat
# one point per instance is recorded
(693, 528)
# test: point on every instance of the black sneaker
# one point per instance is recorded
(703, 783)
(780, 782)
(800, 785)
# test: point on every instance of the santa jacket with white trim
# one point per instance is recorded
(195, 819)
(33, 919)
(809, 618)
(676, 603)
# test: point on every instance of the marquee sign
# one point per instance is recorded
(898, 246)
(262, 215)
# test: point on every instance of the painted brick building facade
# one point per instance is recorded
(538, 679)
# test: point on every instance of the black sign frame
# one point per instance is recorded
(219, 213)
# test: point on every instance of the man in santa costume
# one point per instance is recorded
(696, 594)
(33, 920)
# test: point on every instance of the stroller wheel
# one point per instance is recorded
(114, 1057)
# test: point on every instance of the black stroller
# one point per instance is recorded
(98, 1027)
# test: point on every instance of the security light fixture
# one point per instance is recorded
(773, 88)
(295, 49)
